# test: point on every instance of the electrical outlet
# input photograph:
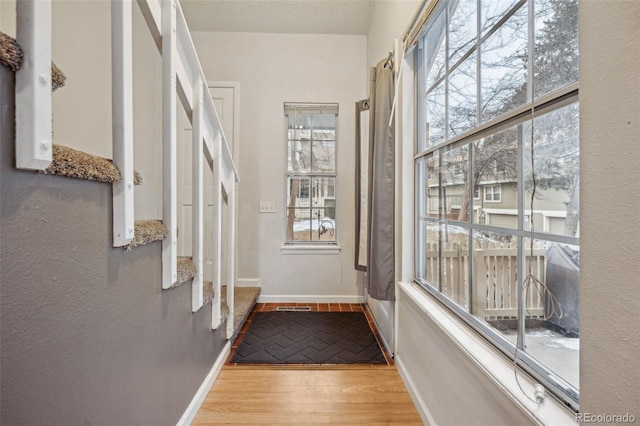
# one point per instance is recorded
(267, 206)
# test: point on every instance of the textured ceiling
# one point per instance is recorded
(279, 16)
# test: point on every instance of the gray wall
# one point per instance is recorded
(448, 385)
(88, 336)
(610, 206)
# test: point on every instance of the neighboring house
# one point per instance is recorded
(495, 203)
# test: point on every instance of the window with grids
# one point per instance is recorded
(492, 193)
(311, 173)
(497, 177)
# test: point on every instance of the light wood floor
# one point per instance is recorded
(303, 396)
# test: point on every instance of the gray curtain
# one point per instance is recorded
(381, 200)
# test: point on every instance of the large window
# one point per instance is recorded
(497, 182)
(311, 173)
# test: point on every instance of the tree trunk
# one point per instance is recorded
(470, 186)
(293, 194)
(291, 211)
(463, 216)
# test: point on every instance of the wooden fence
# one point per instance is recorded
(495, 277)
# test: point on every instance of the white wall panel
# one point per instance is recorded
(273, 69)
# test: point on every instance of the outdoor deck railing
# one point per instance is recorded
(495, 280)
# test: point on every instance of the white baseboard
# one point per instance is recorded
(293, 298)
(205, 387)
(420, 405)
(248, 282)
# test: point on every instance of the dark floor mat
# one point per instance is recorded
(309, 338)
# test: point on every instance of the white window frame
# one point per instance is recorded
(476, 193)
(305, 246)
(545, 104)
(490, 190)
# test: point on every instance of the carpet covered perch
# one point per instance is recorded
(10, 53)
(80, 165)
(58, 79)
(11, 56)
(147, 231)
(186, 270)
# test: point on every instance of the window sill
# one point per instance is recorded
(495, 367)
(297, 249)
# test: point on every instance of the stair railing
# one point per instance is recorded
(182, 76)
(33, 85)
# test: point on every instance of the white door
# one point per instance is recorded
(223, 95)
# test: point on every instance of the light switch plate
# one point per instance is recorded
(267, 206)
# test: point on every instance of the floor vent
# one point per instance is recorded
(293, 308)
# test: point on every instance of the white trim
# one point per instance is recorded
(310, 249)
(197, 197)
(313, 298)
(391, 349)
(489, 362)
(122, 120)
(231, 248)
(497, 182)
(216, 306)
(169, 145)
(485, 193)
(407, 190)
(205, 387)
(514, 212)
(248, 282)
(33, 86)
(419, 403)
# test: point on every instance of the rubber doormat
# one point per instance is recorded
(309, 338)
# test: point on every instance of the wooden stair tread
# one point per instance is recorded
(146, 232)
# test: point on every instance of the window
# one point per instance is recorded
(492, 193)
(497, 100)
(311, 173)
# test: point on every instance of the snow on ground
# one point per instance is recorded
(313, 224)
